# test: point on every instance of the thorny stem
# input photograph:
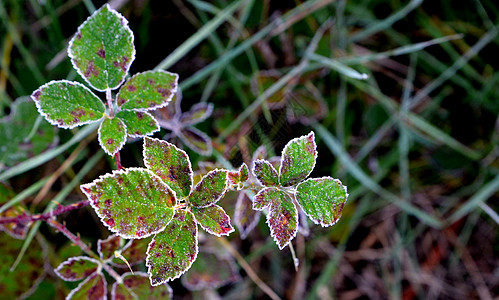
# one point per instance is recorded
(84, 247)
(24, 218)
(118, 161)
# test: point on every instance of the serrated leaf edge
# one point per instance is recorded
(264, 190)
(138, 273)
(54, 122)
(165, 102)
(142, 135)
(312, 134)
(57, 270)
(76, 289)
(221, 194)
(100, 242)
(125, 25)
(148, 165)
(196, 251)
(186, 141)
(124, 172)
(315, 179)
(264, 161)
(295, 231)
(120, 146)
(211, 232)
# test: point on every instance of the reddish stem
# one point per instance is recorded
(118, 161)
(24, 218)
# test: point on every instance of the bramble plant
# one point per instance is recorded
(160, 207)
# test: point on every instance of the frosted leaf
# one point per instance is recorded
(297, 159)
(77, 268)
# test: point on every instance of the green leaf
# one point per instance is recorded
(213, 219)
(245, 218)
(68, 104)
(138, 123)
(298, 159)
(265, 173)
(18, 229)
(77, 268)
(112, 135)
(22, 135)
(134, 203)
(148, 90)
(134, 252)
(239, 177)
(196, 140)
(282, 217)
(136, 286)
(172, 252)
(94, 287)
(23, 281)
(107, 247)
(210, 271)
(170, 163)
(210, 189)
(322, 199)
(198, 113)
(102, 49)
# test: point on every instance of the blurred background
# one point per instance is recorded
(403, 97)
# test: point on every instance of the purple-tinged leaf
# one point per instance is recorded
(297, 159)
(123, 201)
(265, 173)
(18, 229)
(94, 287)
(102, 49)
(172, 252)
(138, 123)
(245, 218)
(210, 189)
(134, 252)
(305, 107)
(196, 140)
(137, 286)
(213, 219)
(148, 90)
(77, 268)
(170, 163)
(322, 199)
(112, 135)
(282, 217)
(210, 271)
(24, 280)
(68, 104)
(107, 247)
(239, 177)
(198, 113)
(170, 112)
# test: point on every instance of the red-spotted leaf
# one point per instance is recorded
(107, 247)
(283, 220)
(170, 163)
(138, 123)
(210, 189)
(77, 268)
(210, 271)
(239, 177)
(102, 49)
(68, 104)
(265, 173)
(213, 219)
(137, 286)
(196, 140)
(133, 203)
(94, 287)
(282, 217)
(112, 135)
(297, 159)
(245, 218)
(148, 90)
(172, 252)
(322, 199)
(134, 252)
(198, 113)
